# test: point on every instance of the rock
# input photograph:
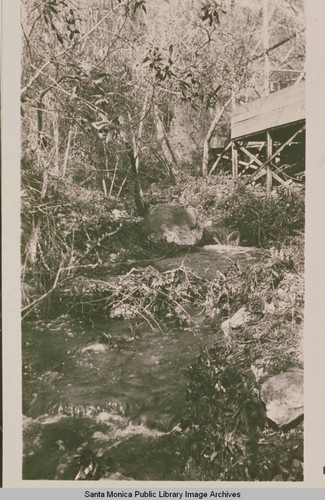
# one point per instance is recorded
(238, 319)
(296, 464)
(172, 223)
(283, 397)
(95, 348)
(100, 436)
(269, 308)
(220, 234)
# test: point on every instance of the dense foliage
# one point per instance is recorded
(228, 435)
(265, 221)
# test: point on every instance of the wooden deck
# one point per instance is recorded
(275, 110)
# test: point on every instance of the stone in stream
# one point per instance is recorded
(210, 259)
(283, 397)
(95, 348)
(172, 223)
(237, 320)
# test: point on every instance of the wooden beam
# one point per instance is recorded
(281, 181)
(234, 156)
(241, 162)
(269, 146)
(278, 151)
(275, 176)
(249, 154)
(216, 163)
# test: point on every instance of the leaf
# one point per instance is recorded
(59, 37)
(171, 48)
(183, 84)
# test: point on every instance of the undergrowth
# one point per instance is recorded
(227, 434)
(261, 221)
(146, 295)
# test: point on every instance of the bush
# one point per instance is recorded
(145, 295)
(226, 430)
(262, 221)
(61, 223)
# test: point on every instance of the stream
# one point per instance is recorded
(104, 401)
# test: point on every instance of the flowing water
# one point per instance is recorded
(105, 390)
(105, 401)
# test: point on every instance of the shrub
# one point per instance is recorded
(226, 429)
(262, 221)
(61, 224)
(145, 295)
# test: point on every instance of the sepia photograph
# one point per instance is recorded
(162, 239)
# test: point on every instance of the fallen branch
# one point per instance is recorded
(31, 306)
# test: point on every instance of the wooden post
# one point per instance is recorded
(269, 145)
(266, 47)
(234, 156)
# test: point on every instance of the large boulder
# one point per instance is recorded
(283, 397)
(172, 223)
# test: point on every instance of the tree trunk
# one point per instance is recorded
(138, 193)
(134, 156)
(207, 140)
(56, 140)
(66, 154)
(33, 242)
(166, 147)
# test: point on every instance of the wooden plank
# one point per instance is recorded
(244, 163)
(276, 100)
(269, 146)
(278, 151)
(282, 107)
(234, 156)
(216, 163)
(252, 157)
(281, 181)
(274, 175)
(272, 119)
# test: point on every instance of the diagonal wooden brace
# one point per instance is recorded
(278, 151)
(216, 163)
